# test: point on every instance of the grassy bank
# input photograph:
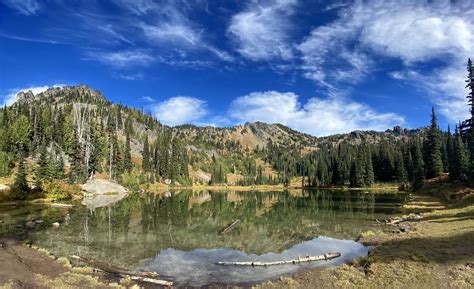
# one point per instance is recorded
(436, 251)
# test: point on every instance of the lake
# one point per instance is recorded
(178, 234)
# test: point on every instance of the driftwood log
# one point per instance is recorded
(327, 256)
(231, 226)
(57, 205)
(401, 220)
(149, 277)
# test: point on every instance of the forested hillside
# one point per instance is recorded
(74, 133)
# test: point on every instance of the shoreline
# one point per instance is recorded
(413, 251)
(435, 251)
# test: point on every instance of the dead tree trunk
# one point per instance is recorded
(327, 256)
(149, 277)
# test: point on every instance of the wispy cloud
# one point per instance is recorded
(139, 7)
(179, 110)
(318, 116)
(147, 99)
(262, 30)
(122, 59)
(366, 33)
(128, 76)
(25, 7)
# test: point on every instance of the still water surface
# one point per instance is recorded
(178, 234)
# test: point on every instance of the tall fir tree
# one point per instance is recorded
(146, 154)
(20, 183)
(449, 148)
(434, 163)
(127, 161)
(459, 165)
(418, 166)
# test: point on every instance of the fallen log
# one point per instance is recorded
(57, 205)
(149, 277)
(327, 256)
(401, 220)
(230, 226)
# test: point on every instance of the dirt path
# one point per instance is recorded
(20, 264)
(25, 267)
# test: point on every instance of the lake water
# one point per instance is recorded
(179, 234)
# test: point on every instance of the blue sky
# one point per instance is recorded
(321, 67)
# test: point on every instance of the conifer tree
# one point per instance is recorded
(127, 161)
(449, 149)
(20, 183)
(418, 167)
(434, 163)
(459, 164)
(42, 169)
(146, 155)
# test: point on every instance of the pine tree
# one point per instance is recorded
(20, 182)
(449, 148)
(127, 161)
(42, 169)
(459, 164)
(401, 174)
(146, 155)
(470, 87)
(369, 169)
(418, 167)
(434, 163)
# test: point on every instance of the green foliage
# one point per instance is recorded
(20, 134)
(20, 183)
(5, 164)
(433, 162)
(459, 163)
(127, 161)
(418, 166)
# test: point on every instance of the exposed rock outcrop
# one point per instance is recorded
(100, 187)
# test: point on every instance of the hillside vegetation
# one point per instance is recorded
(74, 133)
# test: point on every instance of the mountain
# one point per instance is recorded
(90, 135)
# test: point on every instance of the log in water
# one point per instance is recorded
(231, 226)
(327, 256)
(149, 277)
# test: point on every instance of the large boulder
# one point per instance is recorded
(100, 187)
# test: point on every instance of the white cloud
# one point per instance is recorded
(179, 110)
(417, 33)
(348, 49)
(177, 33)
(147, 99)
(122, 59)
(262, 30)
(25, 7)
(319, 117)
(445, 87)
(182, 34)
(10, 97)
(139, 7)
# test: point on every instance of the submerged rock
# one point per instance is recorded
(55, 225)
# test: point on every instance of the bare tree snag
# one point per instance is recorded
(327, 256)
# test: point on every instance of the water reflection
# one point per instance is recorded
(139, 227)
(198, 267)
